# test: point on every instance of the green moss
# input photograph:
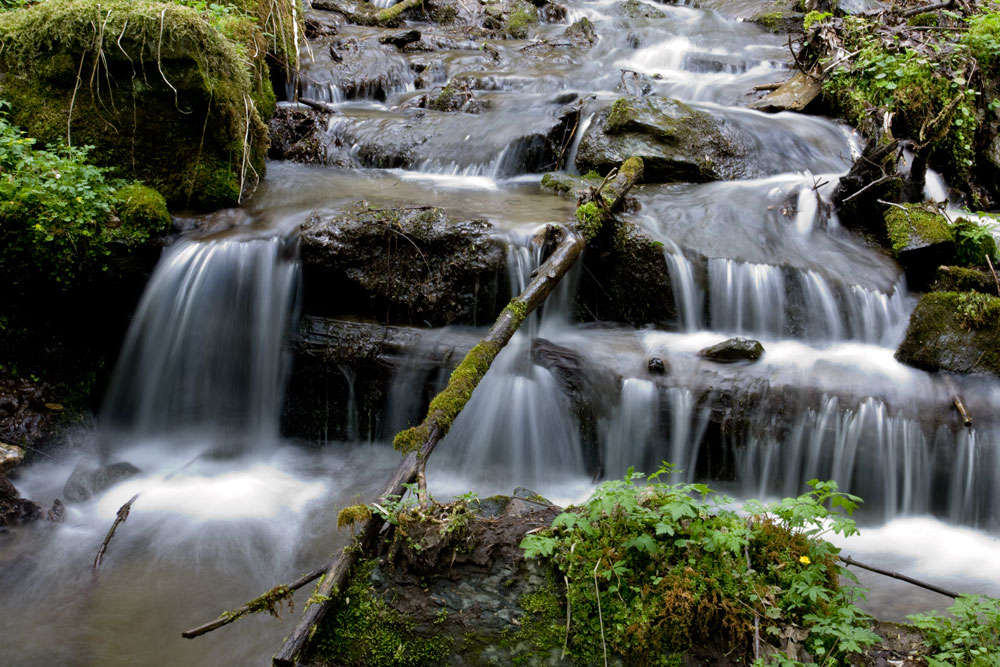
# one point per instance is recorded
(523, 16)
(412, 439)
(814, 17)
(620, 113)
(588, 220)
(387, 16)
(271, 602)
(769, 20)
(163, 82)
(352, 515)
(954, 331)
(518, 311)
(631, 169)
(962, 279)
(977, 310)
(559, 183)
(973, 243)
(142, 211)
(365, 630)
(915, 225)
(541, 628)
(925, 19)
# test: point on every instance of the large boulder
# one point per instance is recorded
(88, 480)
(676, 142)
(159, 91)
(404, 266)
(954, 331)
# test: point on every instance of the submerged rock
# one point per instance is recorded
(733, 349)
(676, 142)
(954, 331)
(404, 266)
(87, 480)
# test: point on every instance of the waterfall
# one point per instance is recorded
(205, 352)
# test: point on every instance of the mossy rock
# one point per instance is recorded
(920, 239)
(954, 331)
(782, 20)
(520, 17)
(633, 9)
(963, 279)
(561, 183)
(676, 142)
(163, 95)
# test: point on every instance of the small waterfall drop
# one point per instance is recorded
(205, 352)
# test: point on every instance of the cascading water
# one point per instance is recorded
(205, 353)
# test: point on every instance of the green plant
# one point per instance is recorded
(656, 569)
(968, 635)
(58, 211)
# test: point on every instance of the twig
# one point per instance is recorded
(123, 512)
(756, 616)
(925, 8)
(600, 616)
(994, 272)
(896, 575)
(883, 179)
(72, 101)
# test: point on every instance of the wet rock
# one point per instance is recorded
(921, 240)
(954, 331)
(779, 20)
(857, 196)
(403, 266)
(676, 142)
(633, 9)
(561, 183)
(733, 349)
(626, 280)
(859, 7)
(11, 456)
(582, 33)
(656, 366)
(298, 135)
(794, 95)
(419, 138)
(15, 510)
(357, 68)
(56, 513)
(88, 480)
(400, 39)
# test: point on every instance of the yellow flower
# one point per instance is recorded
(804, 560)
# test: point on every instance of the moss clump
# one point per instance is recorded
(963, 279)
(814, 17)
(769, 20)
(914, 226)
(446, 405)
(588, 220)
(619, 114)
(977, 310)
(271, 602)
(142, 212)
(973, 243)
(925, 19)
(352, 515)
(518, 311)
(163, 82)
(558, 183)
(541, 628)
(522, 16)
(365, 630)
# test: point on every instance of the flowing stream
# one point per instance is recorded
(227, 507)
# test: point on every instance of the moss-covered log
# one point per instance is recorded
(166, 94)
(598, 206)
(418, 442)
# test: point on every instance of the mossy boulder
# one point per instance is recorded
(963, 279)
(779, 20)
(163, 95)
(920, 239)
(676, 142)
(404, 266)
(954, 331)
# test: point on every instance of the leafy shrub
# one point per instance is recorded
(658, 568)
(57, 211)
(969, 635)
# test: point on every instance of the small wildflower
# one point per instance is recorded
(804, 560)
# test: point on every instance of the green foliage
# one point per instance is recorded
(57, 210)
(983, 39)
(973, 243)
(968, 635)
(655, 569)
(929, 95)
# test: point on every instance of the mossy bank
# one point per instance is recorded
(175, 97)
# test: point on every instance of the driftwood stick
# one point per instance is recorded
(966, 419)
(896, 575)
(318, 105)
(419, 442)
(249, 608)
(994, 272)
(123, 512)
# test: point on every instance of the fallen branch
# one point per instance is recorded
(390, 14)
(254, 605)
(319, 106)
(925, 9)
(123, 512)
(419, 442)
(896, 575)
